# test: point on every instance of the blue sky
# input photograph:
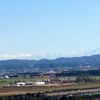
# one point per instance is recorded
(61, 26)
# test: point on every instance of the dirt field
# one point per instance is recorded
(35, 89)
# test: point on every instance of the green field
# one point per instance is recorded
(14, 80)
(34, 79)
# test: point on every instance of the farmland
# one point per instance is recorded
(5, 90)
(35, 89)
(34, 79)
(21, 79)
(57, 83)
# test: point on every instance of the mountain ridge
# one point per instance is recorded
(14, 64)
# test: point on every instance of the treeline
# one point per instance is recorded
(43, 96)
(79, 73)
(29, 96)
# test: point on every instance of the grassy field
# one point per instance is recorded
(28, 79)
(21, 79)
(95, 77)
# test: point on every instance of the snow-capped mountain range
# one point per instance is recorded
(38, 56)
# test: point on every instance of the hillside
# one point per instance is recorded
(93, 60)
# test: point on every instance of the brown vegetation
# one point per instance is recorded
(35, 89)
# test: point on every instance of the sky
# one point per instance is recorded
(48, 26)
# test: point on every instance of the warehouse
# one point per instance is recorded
(38, 83)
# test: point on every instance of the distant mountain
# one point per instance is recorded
(14, 64)
(38, 56)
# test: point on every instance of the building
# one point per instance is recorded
(20, 84)
(38, 83)
(6, 76)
